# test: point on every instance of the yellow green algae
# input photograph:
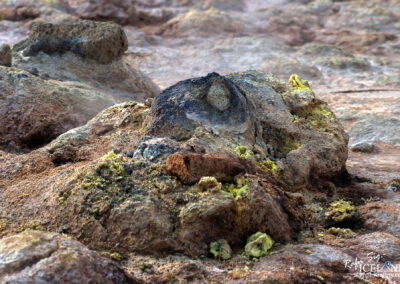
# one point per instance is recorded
(341, 232)
(221, 249)
(116, 256)
(341, 211)
(298, 84)
(243, 152)
(267, 165)
(238, 189)
(258, 245)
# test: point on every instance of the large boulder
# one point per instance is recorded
(38, 257)
(66, 74)
(127, 203)
(286, 126)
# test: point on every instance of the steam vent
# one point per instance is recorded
(207, 141)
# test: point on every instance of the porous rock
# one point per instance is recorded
(287, 125)
(5, 55)
(38, 257)
(99, 41)
(191, 167)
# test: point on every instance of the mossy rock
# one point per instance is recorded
(341, 214)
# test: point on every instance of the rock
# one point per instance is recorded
(363, 147)
(64, 90)
(10, 11)
(261, 111)
(120, 11)
(375, 129)
(357, 16)
(283, 67)
(383, 245)
(333, 57)
(381, 216)
(295, 31)
(226, 5)
(303, 263)
(37, 257)
(209, 183)
(191, 167)
(152, 148)
(341, 213)
(221, 250)
(99, 41)
(43, 109)
(258, 245)
(5, 55)
(204, 23)
(212, 102)
(393, 185)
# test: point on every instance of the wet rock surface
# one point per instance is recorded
(231, 177)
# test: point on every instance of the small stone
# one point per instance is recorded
(221, 250)
(363, 147)
(5, 55)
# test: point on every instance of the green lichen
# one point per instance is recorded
(116, 256)
(341, 212)
(320, 117)
(298, 84)
(344, 233)
(267, 165)
(258, 245)
(221, 250)
(238, 190)
(243, 152)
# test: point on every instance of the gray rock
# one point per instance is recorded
(363, 147)
(213, 102)
(99, 41)
(291, 127)
(375, 129)
(5, 55)
(37, 257)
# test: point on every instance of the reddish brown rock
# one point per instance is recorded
(189, 168)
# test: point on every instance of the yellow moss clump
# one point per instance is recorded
(344, 233)
(298, 84)
(341, 211)
(267, 165)
(243, 152)
(237, 190)
(116, 256)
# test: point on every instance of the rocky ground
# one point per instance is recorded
(170, 141)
